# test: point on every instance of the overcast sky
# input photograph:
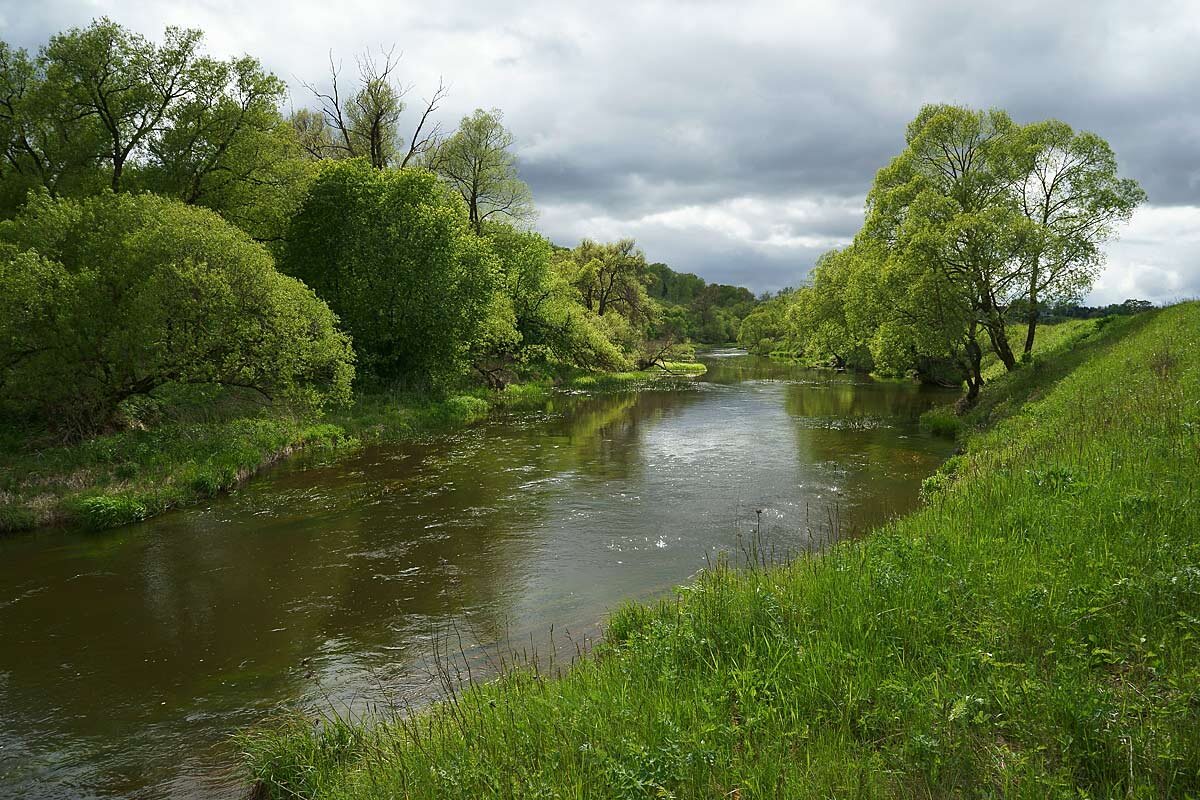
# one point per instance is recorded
(737, 139)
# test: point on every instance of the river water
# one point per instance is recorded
(127, 658)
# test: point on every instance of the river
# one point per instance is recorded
(128, 657)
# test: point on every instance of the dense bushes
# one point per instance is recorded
(393, 255)
(123, 296)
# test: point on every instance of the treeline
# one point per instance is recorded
(977, 221)
(170, 232)
(705, 312)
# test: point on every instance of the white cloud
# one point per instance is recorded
(1157, 258)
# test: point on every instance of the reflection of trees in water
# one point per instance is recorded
(302, 572)
(857, 400)
(462, 513)
(867, 428)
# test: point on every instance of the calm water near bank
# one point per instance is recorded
(128, 657)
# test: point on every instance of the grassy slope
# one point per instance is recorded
(1034, 631)
(132, 475)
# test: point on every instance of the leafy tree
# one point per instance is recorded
(123, 296)
(824, 323)
(611, 277)
(478, 162)
(1067, 184)
(392, 254)
(945, 203)
(104, 107)
(669, 286)
(763, 330)
(551, 327)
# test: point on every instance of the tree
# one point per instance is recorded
(1067, 184)
(118, 86)
(821, 317)
(123, 296)
(611, 277)
(548, 325)
(945, 201)
(392, 254)
(763, 329)
(477, 161)
(365, 123)
(102, 107)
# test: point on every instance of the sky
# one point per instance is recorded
(737, 139)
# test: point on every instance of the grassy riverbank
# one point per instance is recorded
(135, 474)
(1031, 632)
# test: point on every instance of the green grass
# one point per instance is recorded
(1032, 632)
(129, 476)
(607, 381)
(1049, 338)
(1057, 349)
(132, 475)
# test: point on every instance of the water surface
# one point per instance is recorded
(127, 658)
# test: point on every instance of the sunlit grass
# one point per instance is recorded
(1033, 631)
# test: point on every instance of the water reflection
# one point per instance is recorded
(128, 657)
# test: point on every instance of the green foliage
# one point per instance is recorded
(392, 254)
(119, 297)
(710, 313)
(764, 329)
(478, 162)
(1029, 633)
(941, 422)
(103, 107)
(538, 322)
(976, 220)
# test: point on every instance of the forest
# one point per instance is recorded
(170, 231)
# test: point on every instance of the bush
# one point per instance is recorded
(392, 254)
(941, 421)
(121, 297)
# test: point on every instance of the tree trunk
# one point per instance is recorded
(974, 374)
(998, 335)
(1031, 320)
(118, 168)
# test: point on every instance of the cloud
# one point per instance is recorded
(738, 142)
(1155, 258)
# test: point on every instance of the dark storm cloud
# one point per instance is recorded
(738, 140)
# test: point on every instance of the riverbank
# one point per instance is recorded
(1031, 632)
(133, 475)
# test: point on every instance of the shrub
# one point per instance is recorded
(941, 421)
(119, 297)
(392, 254)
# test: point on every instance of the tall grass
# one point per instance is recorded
(1033, 631)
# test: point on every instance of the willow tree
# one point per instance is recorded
(415, 293)
(946, 202)
(123, 296)
(478, 162)
(1066, 183)
(102, 107)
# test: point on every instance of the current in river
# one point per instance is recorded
(129, 657)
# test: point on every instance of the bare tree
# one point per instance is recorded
(365, 121)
